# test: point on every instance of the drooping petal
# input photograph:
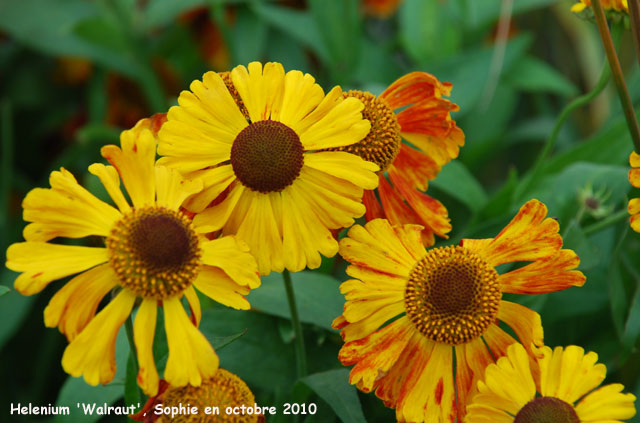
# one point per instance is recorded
(215, 182)
(529, 236)
(66, 210)
(371, 320)
(194, 305)
(546, 275)
(214, 218)
(498, 340)
(144, 329)
(472, 358)
(217, 285)
(374, 209)
(415, 167)
(375, 354)
(73, 306)
(172, 189)
(525, 322)
(191, 357)
(134, 161)
(231, 255)
(92, 353)
(413, 88)
(41, 263)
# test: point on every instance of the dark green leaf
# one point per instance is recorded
(533, 75)
(248, 36)
(4, 290)
(456, 180)
(13, 307)
(318, 297)
(333, 387)
(631, 332)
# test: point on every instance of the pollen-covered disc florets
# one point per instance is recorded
(382, 143)
(154, 251)
(452, 295)
(545, 410)
(222, 390)
(267, 156)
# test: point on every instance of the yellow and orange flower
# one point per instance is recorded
(255, 137)
(223, 389)
(634, 179)
(425, 122)
(381, 8)
(410, 310)
(560, 387)
(153, 255)
(617, 5)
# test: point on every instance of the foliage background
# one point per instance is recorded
(74, 73)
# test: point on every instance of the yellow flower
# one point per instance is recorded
(153, 255)
(412, 108)
(559, 389)
(407, 307)
(618, 5)
(634, 179)
(211, 399)
(253, 138)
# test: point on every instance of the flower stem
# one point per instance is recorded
(301, 356)
(566, 112)
(605, 223)
(634, 18)
(616, 70)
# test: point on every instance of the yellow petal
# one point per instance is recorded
(73, 306)
(525, 322)
(218, 286)
(342, 125)
(634, 159)
(42, 263)
(194, 305)
(215, 217)
(92, 353)
(345, 166)
(191, 357)
(606, 404)
(144, 329)
(172, 189)
(260, 89)
(232, 256)
(66, 210)
(301, 96)
(331, 100)
(109, 177)
(371, 323)
(215, 181)
(634, 177)
(135, 164)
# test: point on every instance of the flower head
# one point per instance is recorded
(425, 122)
(617, 5)
(634, 179)
(254, 137)
(216, 393)
(560, 387)
(153, 255)
(407, 307)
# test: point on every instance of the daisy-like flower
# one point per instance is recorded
(634, 179)
(559, 389)
(222, 390)
(153, 256)
(253, 136)
(409, 311)
(617, 5)
(381, 8)
(425, 122)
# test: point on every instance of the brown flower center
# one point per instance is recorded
(267, 156)
(154, 251)
(382, 144)
(452, 295)
(547, 410)
(222, 390)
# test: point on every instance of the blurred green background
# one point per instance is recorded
(74, 73)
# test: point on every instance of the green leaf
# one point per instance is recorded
(298, 25)
(575, 239)
(49, 26)
(631, 332)
(248, 36)
(13, 307)
(333, 387)
(4, 290)
(131, 390)
(428, 30)
(486, 13)
(533, 75)
(456, 180)
(318, 297)
(75, 390)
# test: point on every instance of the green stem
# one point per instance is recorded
(301, 356)
(605, 223)
(634, 18)
(618, 76)
(566, 112)
(128, 327)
